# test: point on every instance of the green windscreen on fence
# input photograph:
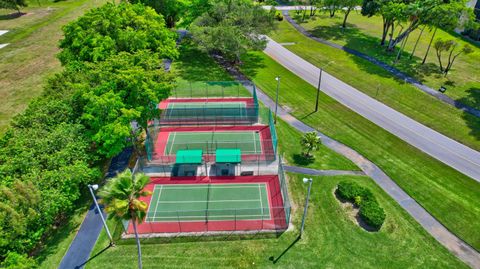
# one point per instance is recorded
(273, 132)
(189, 156)
(228, 156)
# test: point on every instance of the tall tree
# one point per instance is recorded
(13, 4)
(332, 6)
(447, 18)
(231, 28)
(111, 29)
(121, 196)
(171, 10)
(426, 11)
(390, 11)
(449, 47)
(348, 6)
(113, 93)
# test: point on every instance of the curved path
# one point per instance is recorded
(387, 67)
(316, 172)
(454, 244)
(439, 146)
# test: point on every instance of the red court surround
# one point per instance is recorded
(247, 100)
(277, 219)
(264, 131)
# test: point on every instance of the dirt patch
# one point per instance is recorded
(353, 213)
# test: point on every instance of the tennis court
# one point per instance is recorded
(209, 202)
(205, 109)
(248, 142)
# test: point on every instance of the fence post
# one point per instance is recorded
(179, 225)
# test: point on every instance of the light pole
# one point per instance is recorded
(319, 84)
(306, 180)
(276, 100)
(94, 188)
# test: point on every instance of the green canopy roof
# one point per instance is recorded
(228, 156)
(189, 156)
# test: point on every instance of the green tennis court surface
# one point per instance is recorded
(185, 202)
(224, 109)
(248, 141)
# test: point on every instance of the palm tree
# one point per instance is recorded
(121, 199)
(310, 142)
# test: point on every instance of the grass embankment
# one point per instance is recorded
(331, 239)
(363, 34)
(30, 59)
(400, 96)
(450, 196)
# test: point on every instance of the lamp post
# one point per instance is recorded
(94, 188)
(319, 84)
(276, 100)
(306, 180)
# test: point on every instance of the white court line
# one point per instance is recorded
(157, 202)
(211, 201)
(254, 142)
(216, 187)
(261, 202)
(203, 217)
(173, 142)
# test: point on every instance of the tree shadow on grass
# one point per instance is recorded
(274, 259)
(473, 122)
(251, 63)
(302, 160)
(11, 16)
(196, 65)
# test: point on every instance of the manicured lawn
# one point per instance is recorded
(450, 196)
(30, 58)
(331, 240)
(368, 78)
(363, 34)
(325, 158)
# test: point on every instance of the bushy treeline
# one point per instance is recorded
(113, 75)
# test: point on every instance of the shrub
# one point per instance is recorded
(279, 16)
(370, 210)
(372, 214)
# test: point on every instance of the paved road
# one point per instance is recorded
(440, 96)
(454, 244)
(450, 152)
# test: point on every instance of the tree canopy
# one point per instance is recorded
(111, 94)
(231, 28)
(13, 4)
(111, 29)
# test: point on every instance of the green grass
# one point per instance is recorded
(363, 34)
(367, 77)
(331, 240)
(453, 198)
(324, 159)
(186, 202)
(30, 58)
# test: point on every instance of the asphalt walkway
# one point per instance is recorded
(439, 146)
(79, 251)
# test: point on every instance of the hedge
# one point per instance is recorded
(370, 210)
